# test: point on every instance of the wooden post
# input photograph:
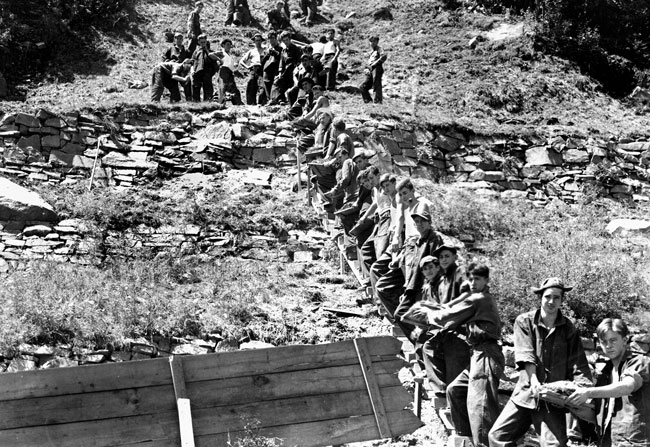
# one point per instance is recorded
(299, 174)
(308, 185)
(373, 388)
(182, 402)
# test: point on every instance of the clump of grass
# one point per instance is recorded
(253, 438)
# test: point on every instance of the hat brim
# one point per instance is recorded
(445, 247)
(428, 219)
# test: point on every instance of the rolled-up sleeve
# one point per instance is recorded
(524, 341)
(638, 368)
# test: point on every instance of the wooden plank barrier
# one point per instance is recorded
(306, 395)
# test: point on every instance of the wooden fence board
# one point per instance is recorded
(140, 373)
(205, 394)
(332, 432)
(290, 390)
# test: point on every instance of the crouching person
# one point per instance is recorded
(167, 75)
(622, 391)
(547, 349)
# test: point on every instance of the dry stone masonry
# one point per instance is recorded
(124, 148)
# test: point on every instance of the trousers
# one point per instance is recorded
(473, 396)
(445, 357)
(514, 421)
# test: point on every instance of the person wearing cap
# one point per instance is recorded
(270, 65)
(407, 293)
(290, 57)
(446, 354)
(167, 75)
(339, 138)
(374, 72)
(206, 64)
(547, 349)
(277, 18)
(304, 101)
(622, 391)
(227, 85)
(177, 51)
(194, 27)
(473, 396)
(251, 61)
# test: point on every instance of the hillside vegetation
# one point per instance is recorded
(554, 72)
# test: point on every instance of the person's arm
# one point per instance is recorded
(332, 147)
(318, 105)
(619, 389)
(577, 364)
(399, 228)
(454, 316)
(525, 356)
(243, 62)
(337, 46)
(530, 372)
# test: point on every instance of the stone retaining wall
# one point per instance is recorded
(52, 148)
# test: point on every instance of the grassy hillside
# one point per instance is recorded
(500, 83)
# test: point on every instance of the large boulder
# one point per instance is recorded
(625, 227)
(19, 204)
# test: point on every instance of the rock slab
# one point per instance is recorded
(22, 205)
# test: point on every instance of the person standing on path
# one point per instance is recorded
(330, 59)
(194, 27)
(374, 72)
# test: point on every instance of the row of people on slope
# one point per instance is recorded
(273, 72)
(447, 311)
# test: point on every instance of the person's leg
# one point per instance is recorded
(389, 289)
(174, 92)
(231, 87)
(331, 74)
(368, 252)
(365, 87)
(434, 363)
(483, 394)
(377, 86)
(230, 12)
(510, 426)
(292, 94)
(550, 424)
(311, 12)
(197, 85)
(251, 88)
(457, 392)
(379, 269)
(157, 86)
(305, 142)
(208, 87)
(457, 356)
(187, 90)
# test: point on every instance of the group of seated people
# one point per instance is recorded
(276, 72)
(448, 313)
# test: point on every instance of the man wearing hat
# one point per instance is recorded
(252, 62)
(547, 349)
(374, 72)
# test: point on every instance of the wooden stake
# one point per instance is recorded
(92, 173)
(182, 402)
(298, 175)
(373, 388)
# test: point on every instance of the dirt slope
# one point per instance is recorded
(432, 73)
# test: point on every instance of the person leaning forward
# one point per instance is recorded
(547, 349)
(168, 75)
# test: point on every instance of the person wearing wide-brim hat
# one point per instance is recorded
(547, 349)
